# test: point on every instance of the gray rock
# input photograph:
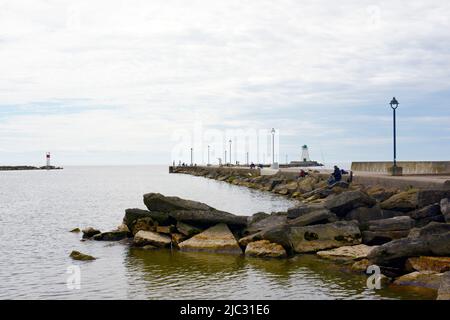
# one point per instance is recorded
(339, 184)
(302, 209)
(380, 237)
(270, 221)
(257, 217)
(89, 232)
(364, 214)
(208, 218)
(392, 224)
(427, 197)
(426, 212)
(187, 229)
(444, 288)
(344, 202)
(132, 215)
(404, 201)
(445, 209)
(143, 238)
(431, 240)
(323, 236)
(314, 217)
(161, 203)
(111, 236)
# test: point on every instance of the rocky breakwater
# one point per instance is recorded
(405, 233)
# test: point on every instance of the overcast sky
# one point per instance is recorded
(112, 82)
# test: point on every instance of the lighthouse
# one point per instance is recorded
(305, 153)
(47, 158)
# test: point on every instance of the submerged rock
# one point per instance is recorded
(143, 238)
(76, 230)
(346, 253)
(424, 279)
(77, 255)
(427, 263)
(114, 235)
(265, 249)
(324, 236)
(215, 239)
(89, 232)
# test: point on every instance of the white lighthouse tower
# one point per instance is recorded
(47, 157)
(305, 153)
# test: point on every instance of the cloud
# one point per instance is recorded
(119, 76)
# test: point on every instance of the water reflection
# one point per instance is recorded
(190, 275)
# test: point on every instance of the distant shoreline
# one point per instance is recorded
(16, 168)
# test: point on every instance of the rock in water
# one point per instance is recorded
(344, 202)
(265, 249)
(76, 230)
(161, 203)
(444, 288)
(215, 239)
(89, 232)
(431, 240)
(274, 219)
(425, 263)
(77, 255)
(424, 279)
(357, 252)
(132, 216)
(115, 235)
(324, 236)
(143, 238)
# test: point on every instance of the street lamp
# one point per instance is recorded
(225, 158)
(396, 171)
(208, 156)
(192, 157)
(273, 146)
(230, 150)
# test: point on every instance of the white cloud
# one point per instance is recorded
(160, 64)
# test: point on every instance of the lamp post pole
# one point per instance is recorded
(273, 145)
(394, 105)
(230, 150)
(192, 157)
(208, 156)
(225, 158)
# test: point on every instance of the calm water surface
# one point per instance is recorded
(38, 208)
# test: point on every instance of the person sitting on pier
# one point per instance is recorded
(252, 166)
(335, 176)
(302, 173)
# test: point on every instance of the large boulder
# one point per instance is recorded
(380, 237)
(431, 240)
(445, 209)
(143, 238)
(302, 209)
(77, 255)
(364, 214)
(444, 288)
(424, 279)
(161, 203)
(426, 263)
(215, 239)
(208, 218)
(392, 224)
(313, 217)
(346, 253)
(323, 236)
(404, 201)
(265, 249)
(145, 224)
(380, 194)
(344, 202)
(277, 218)
(427, 214)
(427, 197)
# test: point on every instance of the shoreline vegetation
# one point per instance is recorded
(404, 233)
(15, 168)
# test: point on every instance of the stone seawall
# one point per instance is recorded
(409, 167)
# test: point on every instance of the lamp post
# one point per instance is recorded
(208, 156)
(273, 146)
(396, 171)
(192, 157)
(230, 150)
(225, 158)
(247, 159)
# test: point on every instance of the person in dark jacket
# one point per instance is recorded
(337, 174)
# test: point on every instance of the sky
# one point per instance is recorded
(131, 82)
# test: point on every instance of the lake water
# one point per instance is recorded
(38, 208)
